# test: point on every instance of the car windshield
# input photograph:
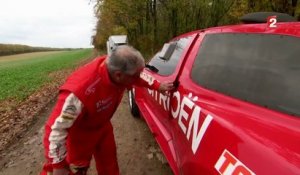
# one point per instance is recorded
(263, 69)
(167, 67)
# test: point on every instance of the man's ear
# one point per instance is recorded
(117, 75)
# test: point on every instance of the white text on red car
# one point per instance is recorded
(185, 110)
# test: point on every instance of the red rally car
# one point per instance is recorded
(236, 106)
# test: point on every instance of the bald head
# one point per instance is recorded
(125, 59)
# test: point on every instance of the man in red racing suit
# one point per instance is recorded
(79, 126)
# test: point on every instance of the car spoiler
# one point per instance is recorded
(261, 17)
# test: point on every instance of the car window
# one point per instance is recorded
(167, 67)
(259, 68)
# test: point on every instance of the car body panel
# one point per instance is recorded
(203, 131)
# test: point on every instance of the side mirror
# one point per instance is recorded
(152, 68)
(167, 50)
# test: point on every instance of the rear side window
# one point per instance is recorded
(263, 69)
(167, 67)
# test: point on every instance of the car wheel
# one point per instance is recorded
(134, 109)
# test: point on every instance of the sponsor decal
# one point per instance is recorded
(91, 89)
(230, 165)
(68, 117)
(188, 115)
(70, 109)
(104, 104)
(148, 78)
(58, 153)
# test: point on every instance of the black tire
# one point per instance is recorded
(134, 109)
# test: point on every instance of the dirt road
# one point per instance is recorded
(138, 153)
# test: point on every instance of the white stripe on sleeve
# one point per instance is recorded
(70, 111)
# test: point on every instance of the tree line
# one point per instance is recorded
(11, 49)
(150, 23)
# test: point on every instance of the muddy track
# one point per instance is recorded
(138, 153)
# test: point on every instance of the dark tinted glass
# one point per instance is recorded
(260, 68)
(167, 67)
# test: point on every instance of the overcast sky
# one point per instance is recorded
(47, 23)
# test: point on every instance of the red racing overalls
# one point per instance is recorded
(79, 126)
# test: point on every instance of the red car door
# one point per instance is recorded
(229, 114)
(155, 106)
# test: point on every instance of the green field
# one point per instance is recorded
(21, 75)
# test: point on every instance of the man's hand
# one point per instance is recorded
(165, 87)
(63, 171)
